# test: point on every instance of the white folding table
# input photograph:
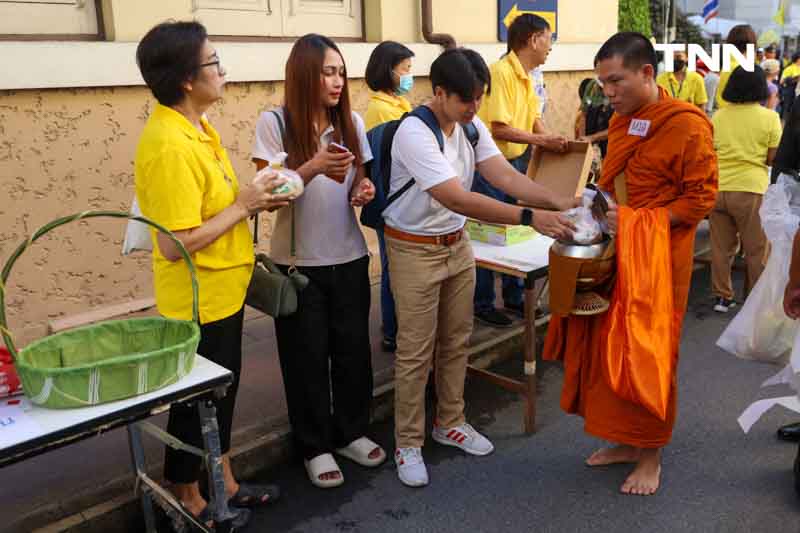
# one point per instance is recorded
(27, 430)
(528, 261)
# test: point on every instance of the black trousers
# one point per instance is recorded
(220, 342)
(326, 359)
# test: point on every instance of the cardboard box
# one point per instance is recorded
(566, 173)
(498, 234)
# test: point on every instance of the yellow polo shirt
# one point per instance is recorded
(743, 134)
(383, 107)
(724, 76)
(791, 71)
(512, 101)
(692, 89)
(184, 178)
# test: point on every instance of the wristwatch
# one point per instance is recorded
(526, 217)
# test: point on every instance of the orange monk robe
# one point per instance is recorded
(673, 165)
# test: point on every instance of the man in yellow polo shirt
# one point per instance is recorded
(683, 84)
(511, 111)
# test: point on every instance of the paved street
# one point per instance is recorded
(715, 477)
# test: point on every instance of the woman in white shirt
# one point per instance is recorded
(324, 347)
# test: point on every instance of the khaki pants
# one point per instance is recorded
(734, 219)
(433, 287)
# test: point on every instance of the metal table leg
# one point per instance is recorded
(139, 468)
(530, 355)
(223, 517)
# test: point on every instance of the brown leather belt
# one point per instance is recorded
(448, 239)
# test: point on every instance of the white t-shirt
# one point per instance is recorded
(326, 229)
(415, 153)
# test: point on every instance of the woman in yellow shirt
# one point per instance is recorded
(185, 182)
(389, 76)
(746, 138)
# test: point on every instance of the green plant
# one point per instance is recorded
(686, 31)
(634, 15)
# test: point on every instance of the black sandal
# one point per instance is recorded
(240, 517)
(251, 495)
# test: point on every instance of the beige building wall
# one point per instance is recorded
(68, 149)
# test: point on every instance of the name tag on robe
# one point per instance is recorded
(639, 127)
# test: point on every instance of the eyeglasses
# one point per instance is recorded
(220, 69)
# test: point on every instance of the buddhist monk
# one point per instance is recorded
(620, 366)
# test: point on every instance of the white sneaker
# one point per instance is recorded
(411, 467)
(464, 437)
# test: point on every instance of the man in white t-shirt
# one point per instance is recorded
(432, 266)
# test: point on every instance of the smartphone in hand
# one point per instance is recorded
(337, 148)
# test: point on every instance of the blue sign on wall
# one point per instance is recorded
(508, 10)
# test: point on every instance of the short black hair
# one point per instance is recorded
(168, 56)
(746, 87)
(461, 71)
(382, 62)
(523, 27)
(795, 56)
(771, 48)
(635, 49)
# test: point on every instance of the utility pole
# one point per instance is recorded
(673, 30)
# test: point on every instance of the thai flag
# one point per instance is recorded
(710, 10)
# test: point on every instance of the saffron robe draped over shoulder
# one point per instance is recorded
(620, 367)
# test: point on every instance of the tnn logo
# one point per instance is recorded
(718, 51)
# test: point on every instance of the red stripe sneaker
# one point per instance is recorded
(464, 437)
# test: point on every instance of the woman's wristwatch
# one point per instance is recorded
(526, 217)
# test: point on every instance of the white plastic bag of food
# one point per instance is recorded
(587, 229)
(761, 330)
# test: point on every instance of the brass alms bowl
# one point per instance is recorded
(581, 251)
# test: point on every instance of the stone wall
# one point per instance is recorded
(64, 151)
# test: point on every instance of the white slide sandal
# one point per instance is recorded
(358, 451)
(323, 464)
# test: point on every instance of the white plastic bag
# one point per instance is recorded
(761, 330)
(587, 229)
(137, 234)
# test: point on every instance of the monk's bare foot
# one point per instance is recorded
(616, 455)
(645, 478)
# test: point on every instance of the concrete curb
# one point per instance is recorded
(256, 448)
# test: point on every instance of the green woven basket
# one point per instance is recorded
(109, 360)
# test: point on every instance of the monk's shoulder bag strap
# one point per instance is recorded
(271, 291)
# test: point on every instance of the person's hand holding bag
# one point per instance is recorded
(257, 196)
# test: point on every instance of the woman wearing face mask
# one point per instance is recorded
(388, 75)
(324, 347)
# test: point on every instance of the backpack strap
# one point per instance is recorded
(281, 124)
(426, 115)
(472, 133)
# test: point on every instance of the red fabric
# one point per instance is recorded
(9, 380)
